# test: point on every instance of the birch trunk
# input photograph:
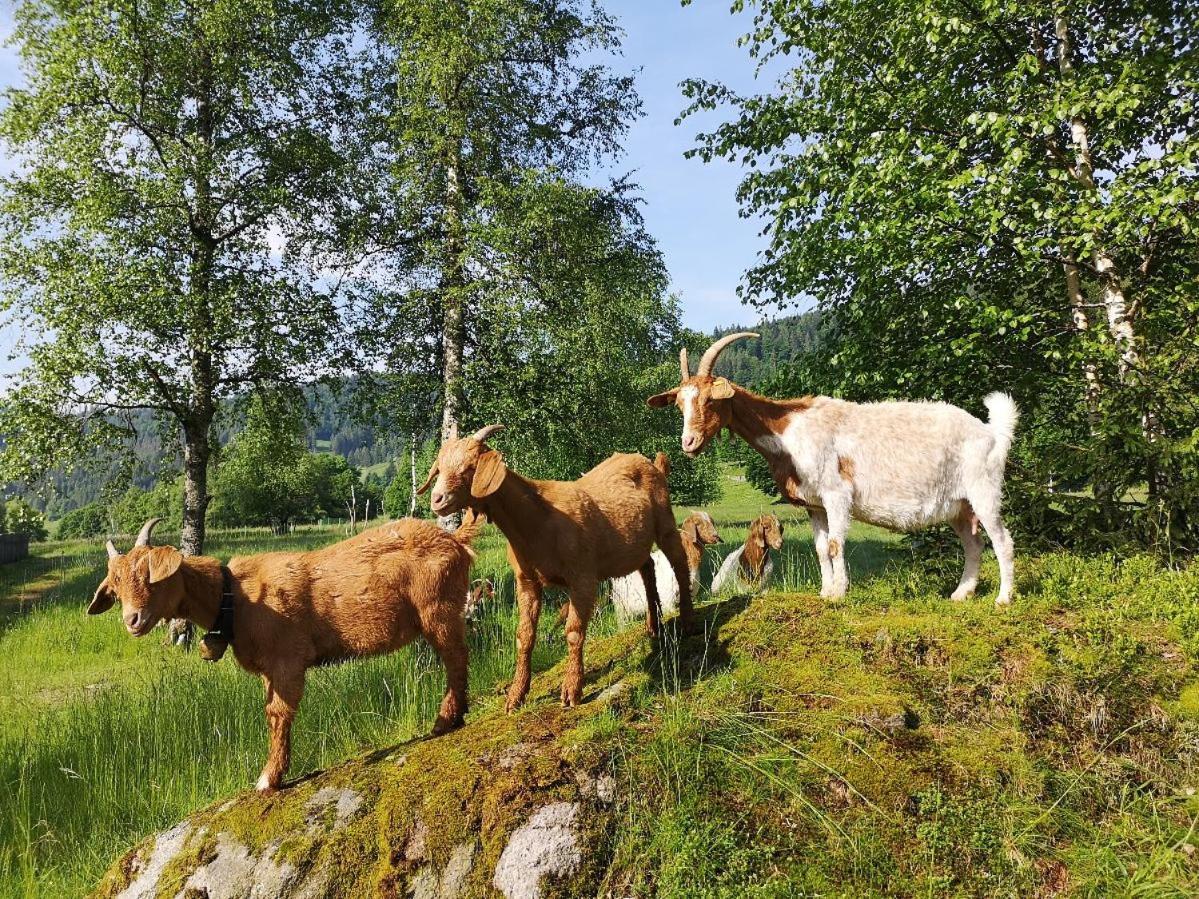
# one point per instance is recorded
(453, 303)
(412, 473)
(1115, 302)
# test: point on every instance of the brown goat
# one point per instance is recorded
(369, 595)
(572, 534)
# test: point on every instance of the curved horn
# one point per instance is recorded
(143, 536)
(112, 550)
(483, 433)
(709, 359)
(684, 368)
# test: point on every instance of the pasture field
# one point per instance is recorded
(1066, 727)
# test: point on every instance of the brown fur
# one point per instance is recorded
(765, 533)
(846, 468)
(697, 532)
(369, 595)
(571, 534)
(722, 404)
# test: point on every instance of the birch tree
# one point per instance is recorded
(162, 147)
(476, 97)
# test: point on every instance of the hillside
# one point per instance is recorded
(892, 744)
(333, 424)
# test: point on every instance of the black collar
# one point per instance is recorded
(222, 628)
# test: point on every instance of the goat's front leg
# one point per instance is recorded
(836, 507)
(448, 639)
(582, 603)
(528, 598)
(284, 689)
(820, 538)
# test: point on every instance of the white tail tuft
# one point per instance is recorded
(1002, 417)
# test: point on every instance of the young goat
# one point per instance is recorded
(628, 592)
(899, 465)
(481, 591)
(572, 534)
(368, 595)
(750, 564)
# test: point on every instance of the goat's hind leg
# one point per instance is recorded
(986, 507)
(965, 525)
(653, 602)
(448, 639)
(671, 544)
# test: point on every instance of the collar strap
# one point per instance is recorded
(220, 635)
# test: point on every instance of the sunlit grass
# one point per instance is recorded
(104, 739)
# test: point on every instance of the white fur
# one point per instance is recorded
(729, 576)
(688, 395)
(628, 592)
(913, 464)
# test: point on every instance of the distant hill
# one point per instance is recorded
(783, 340)
(334, 426)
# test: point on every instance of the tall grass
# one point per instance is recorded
(104, 739)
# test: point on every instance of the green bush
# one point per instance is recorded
(86, 521)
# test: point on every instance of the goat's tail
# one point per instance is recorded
(1002, 416)
(472, 523)
(662, 463)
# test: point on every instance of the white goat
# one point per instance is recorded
(899, 465)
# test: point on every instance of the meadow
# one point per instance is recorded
(893, 743)
(104, 739)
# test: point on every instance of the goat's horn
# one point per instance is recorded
(112, 550)
(709, 359)
(143, 536)
(684, 368)
(483, 433)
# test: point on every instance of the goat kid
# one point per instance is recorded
(368, 595)
(901, 465)
(750, 565)
(572, 534)
(628, 593)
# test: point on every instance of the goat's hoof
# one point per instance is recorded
(571, 697)
(1002, 602)
(443, 726)
(690, 627)
(265, 785)
(513, 703)
(961, 595)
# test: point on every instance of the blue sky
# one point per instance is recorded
(690, 207)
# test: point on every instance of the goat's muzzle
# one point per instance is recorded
(139, 622)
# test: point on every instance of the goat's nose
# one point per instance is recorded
(690, 441)
(437, 498)
(133, 619)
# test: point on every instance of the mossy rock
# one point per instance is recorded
(885, 746)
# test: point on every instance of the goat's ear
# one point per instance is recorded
(663, 399)
(163, 562)
(489, 474)
(722, 389)
(103, 600)
(690, 531)
(429, 480)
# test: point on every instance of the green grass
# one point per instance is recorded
(890, 743)
(104, 738)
